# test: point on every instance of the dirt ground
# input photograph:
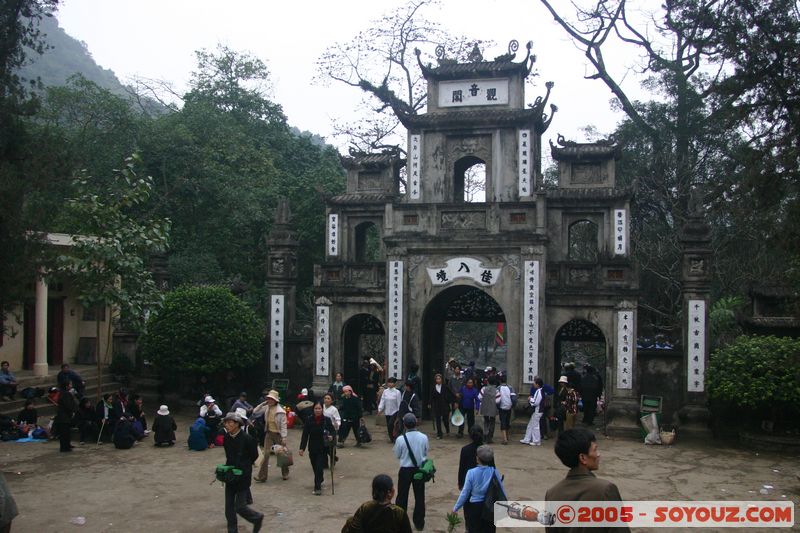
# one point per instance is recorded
(168, 489)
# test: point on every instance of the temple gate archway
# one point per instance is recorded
(362, 335)
(581, 342)
(453, 307)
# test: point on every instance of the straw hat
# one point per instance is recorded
(163, 410)
(275, 395)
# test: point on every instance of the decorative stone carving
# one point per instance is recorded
(464, 220)
(579, 276)
(369, 181)
(587, 173)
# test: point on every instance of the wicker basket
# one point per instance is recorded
(667, 437)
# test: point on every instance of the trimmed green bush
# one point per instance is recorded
(203, 329)
(758, 375)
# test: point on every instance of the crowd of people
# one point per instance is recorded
(455, 399)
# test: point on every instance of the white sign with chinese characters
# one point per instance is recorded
(473, 92)
(697, 346)
(395, 319)
(620, 232)
(524, 163)
(530, 361)
(276, 324)
(322, 340)
(625, 342)
(415, 166)
(464, 267)
(333, 234)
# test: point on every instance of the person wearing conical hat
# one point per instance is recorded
(275, 431)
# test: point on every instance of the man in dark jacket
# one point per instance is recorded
(64, 413)
(577, 449)
(241, 451)
(592, 389)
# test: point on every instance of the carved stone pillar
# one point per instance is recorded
(281, 277)
(695, 238)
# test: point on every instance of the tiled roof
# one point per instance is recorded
(604, 193)
(475, 117)
(362, 198)
(369, 160)
(584, 151)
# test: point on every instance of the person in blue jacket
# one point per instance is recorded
(198, 435)
(473, 495)
(468, 403)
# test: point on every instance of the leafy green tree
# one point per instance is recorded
(706, 134)
(19, 38)
(204, 330)
(758, 376)
(113, 242)
(221, 164)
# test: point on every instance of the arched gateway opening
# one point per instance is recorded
(363, 335)
(462, 322)
(580, 342)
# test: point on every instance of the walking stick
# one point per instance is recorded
(100, 435)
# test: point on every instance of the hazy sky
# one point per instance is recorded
(157, 39)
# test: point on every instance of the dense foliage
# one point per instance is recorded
(719, 136)
(758, 375)
(220, 160)
(204, 330)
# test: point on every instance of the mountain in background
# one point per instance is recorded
(64, 57)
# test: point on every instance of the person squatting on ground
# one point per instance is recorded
(125, 434)
(504, 406)
(390, 405)
(198, 435)
(164, 427)
(105, 416)
(212, 414)
(28, 414)
(241, 451)
(577, 450)
(275, 431)
(317, 436)
(489, 397)
(533, 434)
(413, 442)
(468, 402)
(352, 416)
(137, 412)
(441, 398)
(473, 494)
(86, 421)
(469, 455)
(379, 514)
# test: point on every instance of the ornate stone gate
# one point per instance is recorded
(545, 255)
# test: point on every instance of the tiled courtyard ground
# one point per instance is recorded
(157, 490)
